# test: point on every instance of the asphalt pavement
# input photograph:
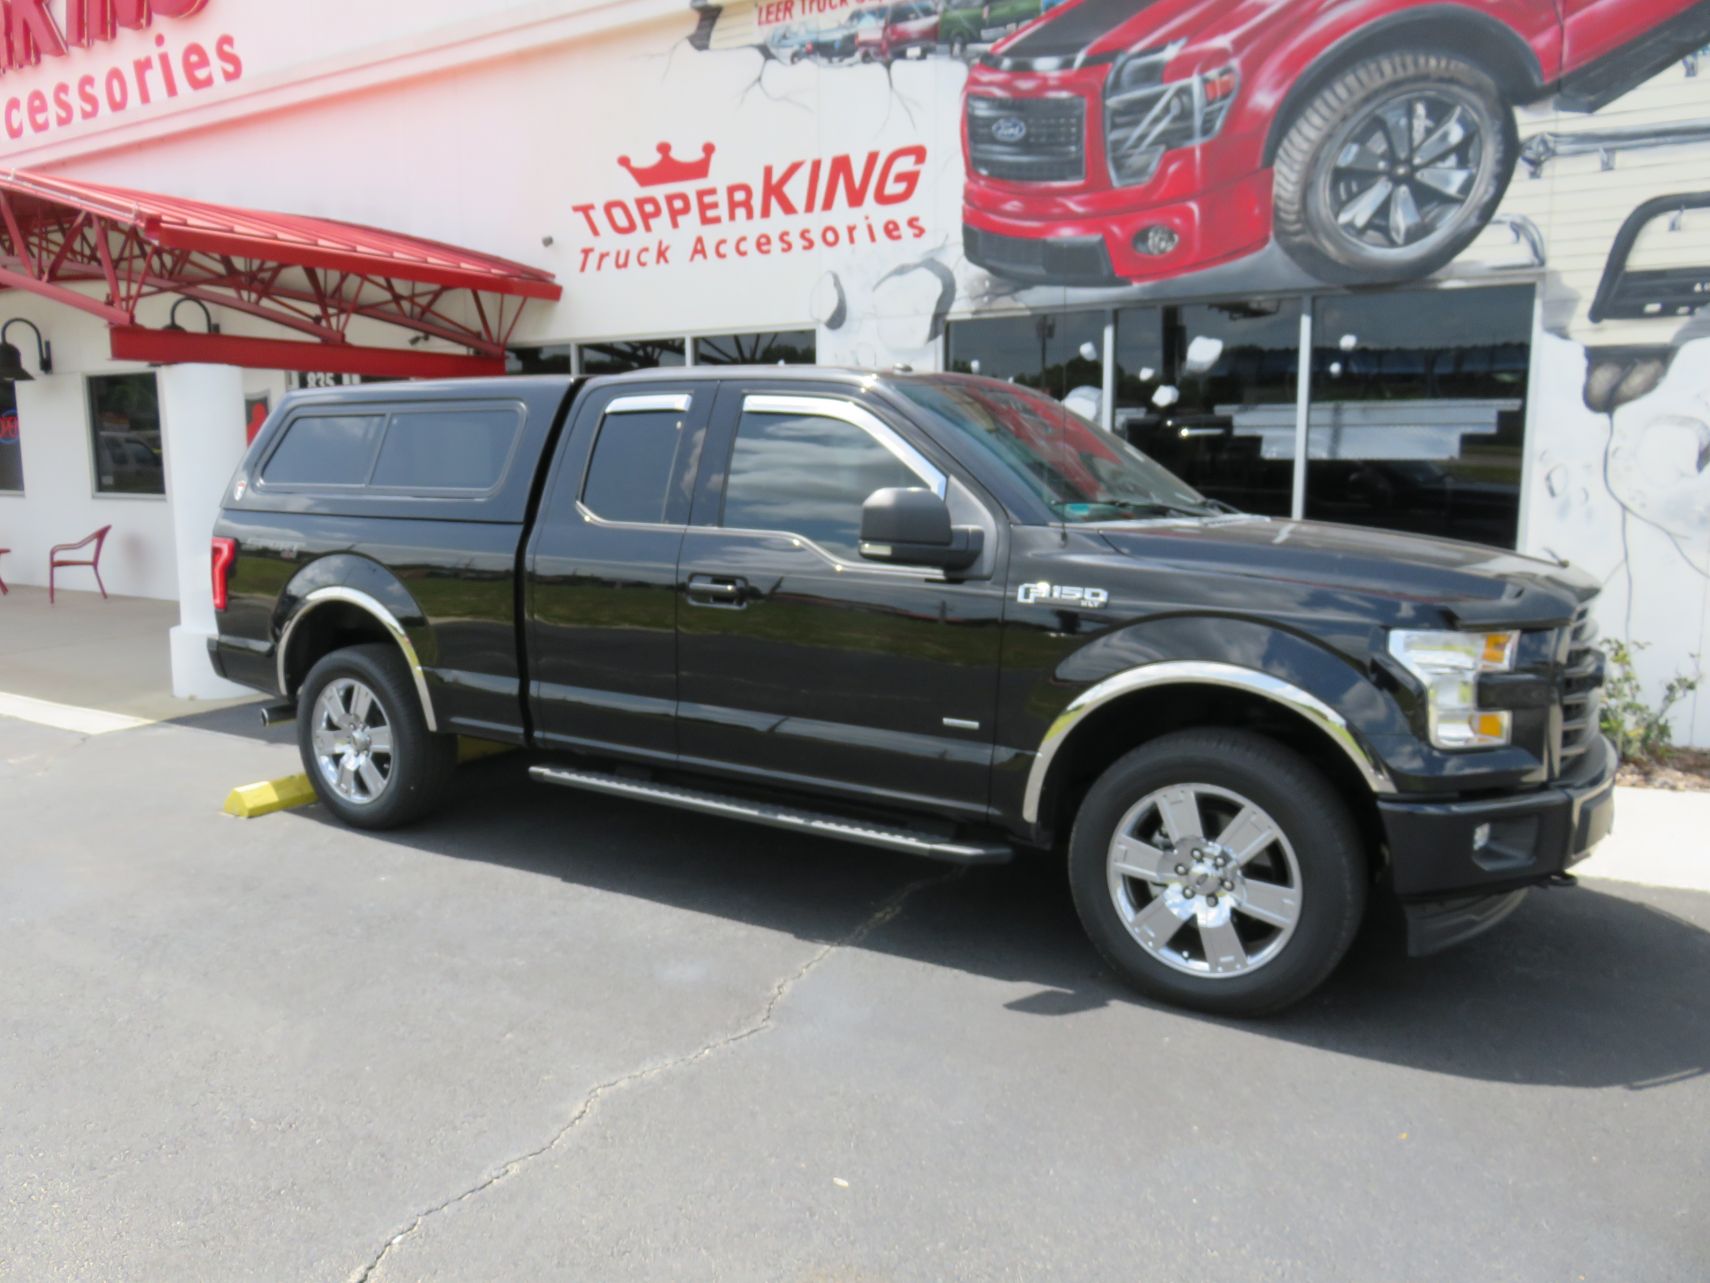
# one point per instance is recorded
(556, 1036)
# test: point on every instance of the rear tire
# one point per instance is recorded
(365, 743)
(1218, 870)
(1393, 168)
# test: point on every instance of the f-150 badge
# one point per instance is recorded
(1043, 593)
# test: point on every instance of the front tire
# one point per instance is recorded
(1218, 870)
(365, 743)
(1393, 168)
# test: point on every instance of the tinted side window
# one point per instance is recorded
(447, 449)
(809, 476)
(630, 472)
(325, 450)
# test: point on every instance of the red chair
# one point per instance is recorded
(3, 589)
(56, 562)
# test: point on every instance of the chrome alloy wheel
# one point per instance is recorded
(1209, 906)
(1405, 169)
(353, 741)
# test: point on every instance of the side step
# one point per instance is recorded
(913, 841)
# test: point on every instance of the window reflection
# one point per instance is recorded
(783, 347)
(1209, 392)
(553, 359)
(808, 476)
(631, 354)
(1057, 353)
(1419, 410)
(11, 441)
(124, 414)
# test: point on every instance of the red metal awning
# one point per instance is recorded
(310, 275)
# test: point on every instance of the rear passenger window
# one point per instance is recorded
(325, 450)
(447, 450)
(629, 475)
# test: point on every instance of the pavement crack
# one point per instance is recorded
(759, 1023)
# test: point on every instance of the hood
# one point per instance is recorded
(1102, 28)
(1477, 585)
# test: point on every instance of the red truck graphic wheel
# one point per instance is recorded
(1393, 168)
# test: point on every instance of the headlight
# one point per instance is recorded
(1145, 115)
(1449, 665)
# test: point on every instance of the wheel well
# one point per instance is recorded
(1127, 723)
(1481, 40)
(324, 629)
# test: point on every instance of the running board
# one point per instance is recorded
(913, 841)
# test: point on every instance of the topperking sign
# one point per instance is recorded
(846, 201)
(41, 34)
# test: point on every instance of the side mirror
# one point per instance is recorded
(906, 527)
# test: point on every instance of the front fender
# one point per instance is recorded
(1316, 683)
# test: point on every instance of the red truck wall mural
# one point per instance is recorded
(1371, 140)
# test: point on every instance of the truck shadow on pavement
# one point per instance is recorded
(1579, 988)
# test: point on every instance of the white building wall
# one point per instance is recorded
(59, 503)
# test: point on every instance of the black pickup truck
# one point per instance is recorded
(928, 612)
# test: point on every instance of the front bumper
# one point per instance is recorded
(1044, 238)
(1460, 867)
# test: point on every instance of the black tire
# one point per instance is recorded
(1328, 863)
(419, 763)
(1310, 190)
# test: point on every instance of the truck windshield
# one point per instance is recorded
(1082, 472)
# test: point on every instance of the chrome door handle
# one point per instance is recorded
(727, 591)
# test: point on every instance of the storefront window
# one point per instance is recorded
(784, 347)
(124, 425)
(1209, 392)
(633, 354)
(1058, 353)
(538, 360)
(1419, 411)
(11, 442)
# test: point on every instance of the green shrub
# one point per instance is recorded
(1640, 731)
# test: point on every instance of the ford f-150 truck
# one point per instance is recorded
(929, 612)
(1136, 140)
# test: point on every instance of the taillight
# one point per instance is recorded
(224, 558)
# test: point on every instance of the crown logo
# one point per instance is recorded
(669, 169)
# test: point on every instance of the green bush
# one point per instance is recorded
(1640, 731)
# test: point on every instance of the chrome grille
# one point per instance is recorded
(1028, 140)
(1581, 690)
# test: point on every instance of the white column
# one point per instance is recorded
(1303, 410)
(202, 416)
(1107, 385)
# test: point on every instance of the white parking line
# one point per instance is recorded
(67, 717)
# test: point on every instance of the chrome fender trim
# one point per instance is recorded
(361, 600)
(1197, 673)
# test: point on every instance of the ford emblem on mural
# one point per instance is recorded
(1009, 129)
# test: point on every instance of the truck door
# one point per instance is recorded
(602, 570)
(801, 662)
